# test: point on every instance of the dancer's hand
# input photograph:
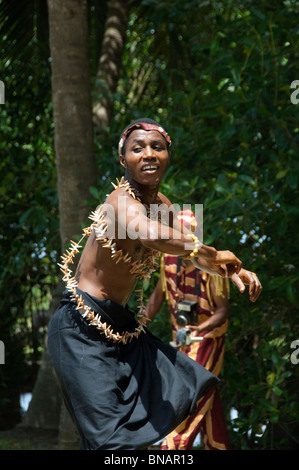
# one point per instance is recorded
(243, 278)
(221, 263)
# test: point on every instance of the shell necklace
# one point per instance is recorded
(140, 269)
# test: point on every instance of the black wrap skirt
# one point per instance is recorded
(121, 396)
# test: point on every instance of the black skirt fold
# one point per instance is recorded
(121, 397)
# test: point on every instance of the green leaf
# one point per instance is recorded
(281, 174)
(94, 192)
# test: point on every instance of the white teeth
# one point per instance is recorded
(150, 167)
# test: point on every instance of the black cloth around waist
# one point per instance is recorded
(121, 396)
(119, 317)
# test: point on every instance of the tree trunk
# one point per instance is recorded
(110, 62)
(44, 408)
(76, 167)
(75, 159)
(76, 172)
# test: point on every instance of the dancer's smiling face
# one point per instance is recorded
(146, 157)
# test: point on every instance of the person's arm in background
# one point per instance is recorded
(155, 301)
(220, 309)
(221, 304)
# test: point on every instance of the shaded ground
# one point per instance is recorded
(28, 439)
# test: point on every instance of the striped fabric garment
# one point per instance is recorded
(209, 417)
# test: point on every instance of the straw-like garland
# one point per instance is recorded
(140, 269)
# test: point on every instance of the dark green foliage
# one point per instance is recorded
(29, 237)
(220, 84)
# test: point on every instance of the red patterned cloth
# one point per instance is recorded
(208, 418)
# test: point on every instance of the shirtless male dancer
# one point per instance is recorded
(123, 387)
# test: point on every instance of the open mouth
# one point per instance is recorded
(149, 168)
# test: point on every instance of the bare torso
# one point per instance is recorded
(99, 275)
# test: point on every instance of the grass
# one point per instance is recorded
(13, 444)
(28, 439)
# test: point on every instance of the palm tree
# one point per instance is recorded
(110, 62)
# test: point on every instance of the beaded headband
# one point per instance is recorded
(146, 127)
